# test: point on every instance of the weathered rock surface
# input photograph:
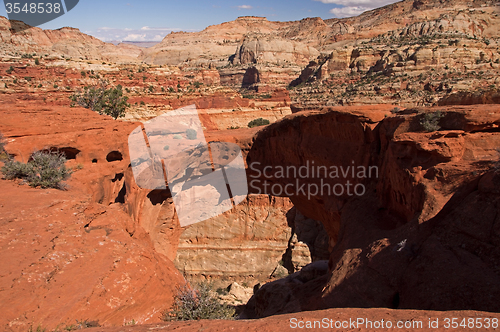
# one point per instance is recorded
(416, 319)
(69, 42)
(244, 243)
(424, 235)
(76, 254)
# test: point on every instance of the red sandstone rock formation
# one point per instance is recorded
(76, 254)
(425, 233)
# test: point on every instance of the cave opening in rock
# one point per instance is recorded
(68, 152)
(121, 195)
(114, 156)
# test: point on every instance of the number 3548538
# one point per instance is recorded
(33, 8)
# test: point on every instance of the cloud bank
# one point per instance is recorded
(348, 8)
(143, 34)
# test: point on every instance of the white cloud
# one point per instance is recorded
(355, 7)
(135, 37)
(348, 11)
(146, 28)
(354, 3)
(143, 34)
(245, 7)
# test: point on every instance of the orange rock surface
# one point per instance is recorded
(75, 254)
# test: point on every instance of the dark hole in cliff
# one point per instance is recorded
(114, 156)
(94, 161)
(118, 177)
(68, 152)
(395, 301)
(159, 196)
(121, 195)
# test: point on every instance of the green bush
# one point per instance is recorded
(198, 303)
(258, 122)
(37, 62)
(191, 134)
(45, 169)
(430, 121)
(177, 136)
(104, 101)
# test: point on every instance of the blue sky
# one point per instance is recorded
(145, 20)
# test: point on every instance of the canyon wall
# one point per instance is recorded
(423, 235)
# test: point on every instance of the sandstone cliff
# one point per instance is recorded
(423, 235)
(68, 42)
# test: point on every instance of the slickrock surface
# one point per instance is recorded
(76, 254)
(292, 322)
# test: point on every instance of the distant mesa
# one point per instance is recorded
(256, 18)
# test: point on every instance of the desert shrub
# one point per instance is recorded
(191, 134)
(45, 169)
(151, 88)
(496, 165)
(10, 70)
(177, 136)
(2, 143)
(258, 122)
(198, 303)
(430, 121)
(102, 100)
(83, 324)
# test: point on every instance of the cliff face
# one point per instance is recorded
(276, 43)
(415, 65)
(69, 42)
(396, 54)
(423, 235)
